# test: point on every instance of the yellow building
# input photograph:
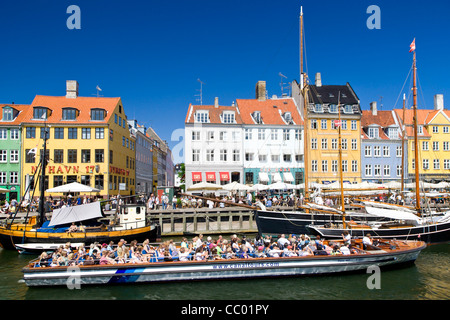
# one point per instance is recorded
(88, 142)
(323, 136)
(433, 139)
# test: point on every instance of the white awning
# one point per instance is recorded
(288, 176)
(276, 177)
(263, 177)
(76, 213)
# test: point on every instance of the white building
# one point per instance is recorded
(213, 144)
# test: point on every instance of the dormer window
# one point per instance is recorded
(69, 114)
(257, 117)
(348, 109)
(288, 118)
(202, 116)
(373, 133)
(333, 108)
(420, 129)
(318, 108)
(9, 113)
(40, 113)
(228, 117)
(98, 114)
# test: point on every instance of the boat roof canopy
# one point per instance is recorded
(76, 213)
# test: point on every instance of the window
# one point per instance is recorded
(3, 134)
(261, 134)
(248, 156)
(222, 135)
(313, 124)
(393, 133)
(223, 155)
(354, 125)
(447, 164)
(314, 143)
(298, 134)
(2, 177)
(30, 132)
(348, 109)
(210, 135)
(436, 164)
(69, 114)
(373, 133)
(354, 165)
(45, 133)
(344, 144)
(99, 182)
(85, 155)
(14, 156)
(85, 133)
(59, 133)
(324, 165)
(195, 155)
(99, 155)
(387, 170)
(323, 124)
(287, 158)
(195, 135)
(425, 164)
(72, 133)
(333, 108)
(435, 129)
(111, 154)
(324, 144)
(236, 155)
(344, 124)
(376, 151)
(314, 166)
(334, 166)
(210, 155)
(98, 114)
(275, 158)
(399, 151)
(228, 117)
(344, 166)
(445, 129)
(3, 156)
(72, 155)
(368, 151)
(39, 113)
(377, 170)
(201, 116)
(399, 170)
(386, 151)
(58, 156)
(248, 134)
(7, 114)
(435, 145)
(257, 117)
(13, 177)
(368, 170)
(334, 144)
(14, 133)
(425, 145)
(262, 157)
(420, 129)
(445, 145)
(30, 156)
(286, 134)
(274, 134)
(354, 144)
(86, 180)
(99, 133)
(318, 108)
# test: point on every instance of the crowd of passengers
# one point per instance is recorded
(198, 249)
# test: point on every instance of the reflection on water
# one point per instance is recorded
(428, 278)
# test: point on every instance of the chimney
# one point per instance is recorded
(71, 89)
(261, 91)
(216, 102)
(439, 102)
(373, 108)
(318, 79)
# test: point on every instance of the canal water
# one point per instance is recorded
(427, 279)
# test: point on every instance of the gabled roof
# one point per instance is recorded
(333, 94)
(83, 104)
(383, 118)
(214, 113)
(272, 110)
(423, 116)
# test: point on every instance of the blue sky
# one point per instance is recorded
(151, 53)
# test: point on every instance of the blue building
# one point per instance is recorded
(381, 146)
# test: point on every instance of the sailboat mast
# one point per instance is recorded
(301, 48)
(304, 90)
(340, 161)
(403, 145)
(42, 178)
(416, 142)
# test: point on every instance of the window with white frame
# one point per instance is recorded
(2, 177)
(447, 164)
(14, 133)
(435, 129)
(377, 170)
(425, 164)
(398, 151)
(324, 144)
(261, 134)
(286, 134)
(344, 144)
(236, 155)
(368, 170)
(275, 158)
(314, 143)
(228, 117)
(314, 166)
(387, 170)
(435, 145)
(248, 134)
(223, 155)
(334, 144)
(445, 146)
(3, 156)
(399, 170)
(334, 165)
(195, 135)
(373, 133)
(386, 151)
(313, 124)
(210, 135)
(195, 155)
(248, 156)
(222, 135)
(324, 165)
(344, 124)
(376, 151)
(3, 134)
(344, 166)
(323, 124)
(354, 165)
(262, 157)
(368, 151)
(210, 155)
(13, 177)
(202, 116)
(14, 156)
(298, 134)
(354, 125)
(274, 134)
(425, 145)
(445, 129)
(436, 164)
(354, 144)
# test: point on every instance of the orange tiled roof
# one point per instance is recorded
(383, 118)
(270, 110)
(82, 104)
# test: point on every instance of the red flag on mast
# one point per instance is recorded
(412, 46)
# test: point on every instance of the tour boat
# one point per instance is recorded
(384, 254)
